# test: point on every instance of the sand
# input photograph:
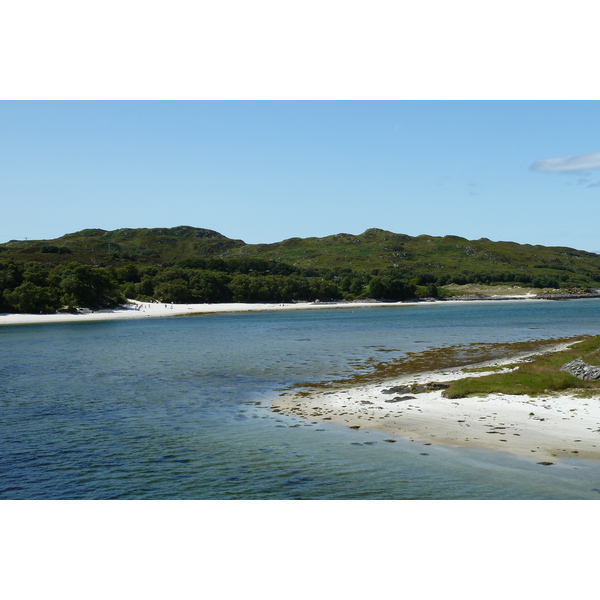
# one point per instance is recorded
(138, 310)
(544, 429)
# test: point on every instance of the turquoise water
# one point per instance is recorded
(179, 407)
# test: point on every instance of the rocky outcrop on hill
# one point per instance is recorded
(582, 370)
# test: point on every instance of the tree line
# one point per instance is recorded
(34, 287)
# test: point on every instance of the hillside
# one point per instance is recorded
(436, 258)
(95, 268)
(448, 259)
(374, 249)
(144, 246)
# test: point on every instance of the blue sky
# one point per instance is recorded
(264, 171)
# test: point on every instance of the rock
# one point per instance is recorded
(582, 370)
(400, 389)
(416, 388)
(432, 387)
(401, 399)
(545, 463)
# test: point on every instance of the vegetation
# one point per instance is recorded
(34, 287)
(539, 377)
(439, 260)
(96, 268)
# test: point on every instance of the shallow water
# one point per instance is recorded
(179, 407)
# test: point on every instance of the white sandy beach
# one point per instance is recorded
(144, 310)
(544, 429)
(140, 310)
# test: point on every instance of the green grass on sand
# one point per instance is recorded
(540, 376)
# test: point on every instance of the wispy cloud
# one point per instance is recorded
(584, 162)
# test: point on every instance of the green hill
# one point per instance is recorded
(145, 246)
(435, 258)
(443, 260)
(97, 268)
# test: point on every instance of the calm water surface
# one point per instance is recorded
(179, 407)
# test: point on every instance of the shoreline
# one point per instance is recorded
(561, 426)
(545, 429)
(137, 310)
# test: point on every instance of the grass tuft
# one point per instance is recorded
(538, 377)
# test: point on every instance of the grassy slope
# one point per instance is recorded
(144, 246)
(373, 249)
(539, 377)
(436, 255)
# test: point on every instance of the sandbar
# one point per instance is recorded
(545, 429)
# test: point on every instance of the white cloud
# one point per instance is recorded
(569, 163)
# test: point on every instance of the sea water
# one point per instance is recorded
(179, 408)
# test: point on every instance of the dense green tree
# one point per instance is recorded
(389, 287)
(431, 291)
(377, 288)
(36, 273)
(544, 281)
(31, 298)
(210, 286)
(295, 288)
(356, 287)
(177, 290)
(321, 289)
(170, 274)
(10, 276)
(245, 288)
(87, 286)
(144, 289)
(126, 274)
